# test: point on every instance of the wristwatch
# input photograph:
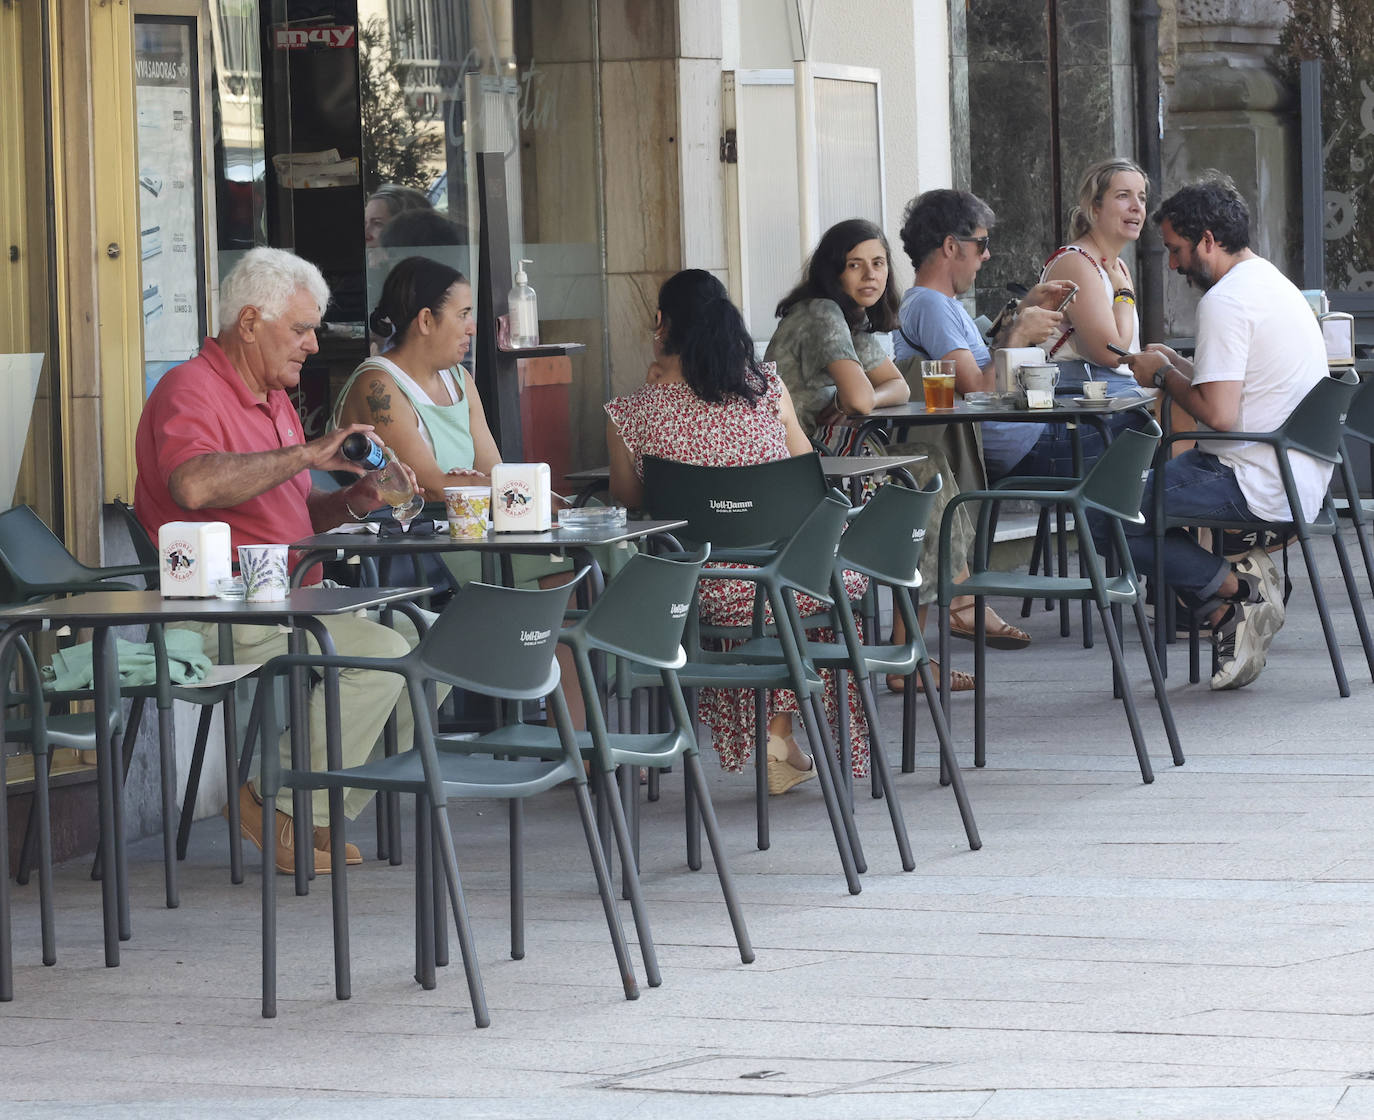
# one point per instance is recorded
(1162, 376)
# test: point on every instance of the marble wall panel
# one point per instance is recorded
(699, 29)
(1087, 130)
(1084, 32)
(703, 174)
(560, 30)
(634, 29)
(1006, 31)
(1010, 109)
(632, 301)
(639, 121)
(563, 199)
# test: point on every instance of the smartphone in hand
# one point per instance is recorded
(1068, 299)
(1118, 351)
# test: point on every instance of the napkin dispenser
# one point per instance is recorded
(521, 498)
(1338, 331)
(193, 556)
(1007, 362)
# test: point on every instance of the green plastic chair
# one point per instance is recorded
(1359, 426)
(883, 542)
(515, 662)
(41, 732)
(639, 618)
(1315, 427)
(803, 565)
(35, 565)
(1113, 488)
(744, 513)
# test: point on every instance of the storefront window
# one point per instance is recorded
(350, 131)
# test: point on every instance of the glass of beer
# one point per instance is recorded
(937, 380)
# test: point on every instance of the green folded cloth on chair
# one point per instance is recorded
(72, 668)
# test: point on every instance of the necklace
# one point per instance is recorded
(1096, 249)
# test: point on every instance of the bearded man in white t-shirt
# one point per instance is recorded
(1259, 352)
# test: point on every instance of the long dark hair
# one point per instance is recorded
(707, 332)
(821, 277)
(414, 284)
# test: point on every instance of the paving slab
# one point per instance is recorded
(1201, 947)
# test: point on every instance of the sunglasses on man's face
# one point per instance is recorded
(981, 242)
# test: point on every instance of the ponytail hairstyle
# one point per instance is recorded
(821, 278)
(706, 331)
(414, 284)
(1097, 180)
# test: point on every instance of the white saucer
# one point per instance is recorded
(1092, 402)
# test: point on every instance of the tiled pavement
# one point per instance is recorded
(1199, 948)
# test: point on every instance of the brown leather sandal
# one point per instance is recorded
(1002, 635)
(959, 681)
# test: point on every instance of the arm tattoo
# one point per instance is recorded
(379, 401)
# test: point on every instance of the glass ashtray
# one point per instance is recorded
(592, 517)
(230, 589)
(988, 400)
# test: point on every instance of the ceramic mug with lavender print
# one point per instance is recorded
(263, 568)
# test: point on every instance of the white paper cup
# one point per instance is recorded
(1095, 390)
(467, 508)
(263, 568)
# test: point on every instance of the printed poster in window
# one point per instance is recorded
(168, 189)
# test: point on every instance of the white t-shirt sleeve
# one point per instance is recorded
(1224, 334)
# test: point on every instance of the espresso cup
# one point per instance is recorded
(1095, 390)
(263, 569)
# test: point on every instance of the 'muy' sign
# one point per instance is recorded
(314, 38)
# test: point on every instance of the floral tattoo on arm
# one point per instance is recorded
(379, 403)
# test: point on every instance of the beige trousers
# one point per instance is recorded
(366, 697)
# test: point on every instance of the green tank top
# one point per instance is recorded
(448, 426)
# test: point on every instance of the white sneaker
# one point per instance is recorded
(1242, 643)
(1257, 564)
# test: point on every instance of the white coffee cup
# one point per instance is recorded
(263, 568)
(1095, 390)
(1038, 376)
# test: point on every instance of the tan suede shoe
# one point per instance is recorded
(352, 856)
(250, 826)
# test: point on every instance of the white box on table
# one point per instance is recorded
(193, 556)
(1007, 361)
(521, 498)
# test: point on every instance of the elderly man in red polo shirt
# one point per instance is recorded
(220, 440)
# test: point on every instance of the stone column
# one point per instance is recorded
(1228, 109)
(1050, 91)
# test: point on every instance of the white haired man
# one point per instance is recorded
(220, 440)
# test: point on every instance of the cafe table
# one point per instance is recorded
(846, 470)
(895, 421)
(101, 611)
(576, 543)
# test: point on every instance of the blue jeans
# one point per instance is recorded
(1194, 483)
(1052, 455)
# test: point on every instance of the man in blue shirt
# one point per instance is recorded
(945, 233)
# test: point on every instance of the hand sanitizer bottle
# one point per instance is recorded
(524, 311)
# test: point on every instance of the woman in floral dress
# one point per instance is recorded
(707, 401)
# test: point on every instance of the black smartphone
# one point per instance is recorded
(1068, 299)
(1118, 351)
